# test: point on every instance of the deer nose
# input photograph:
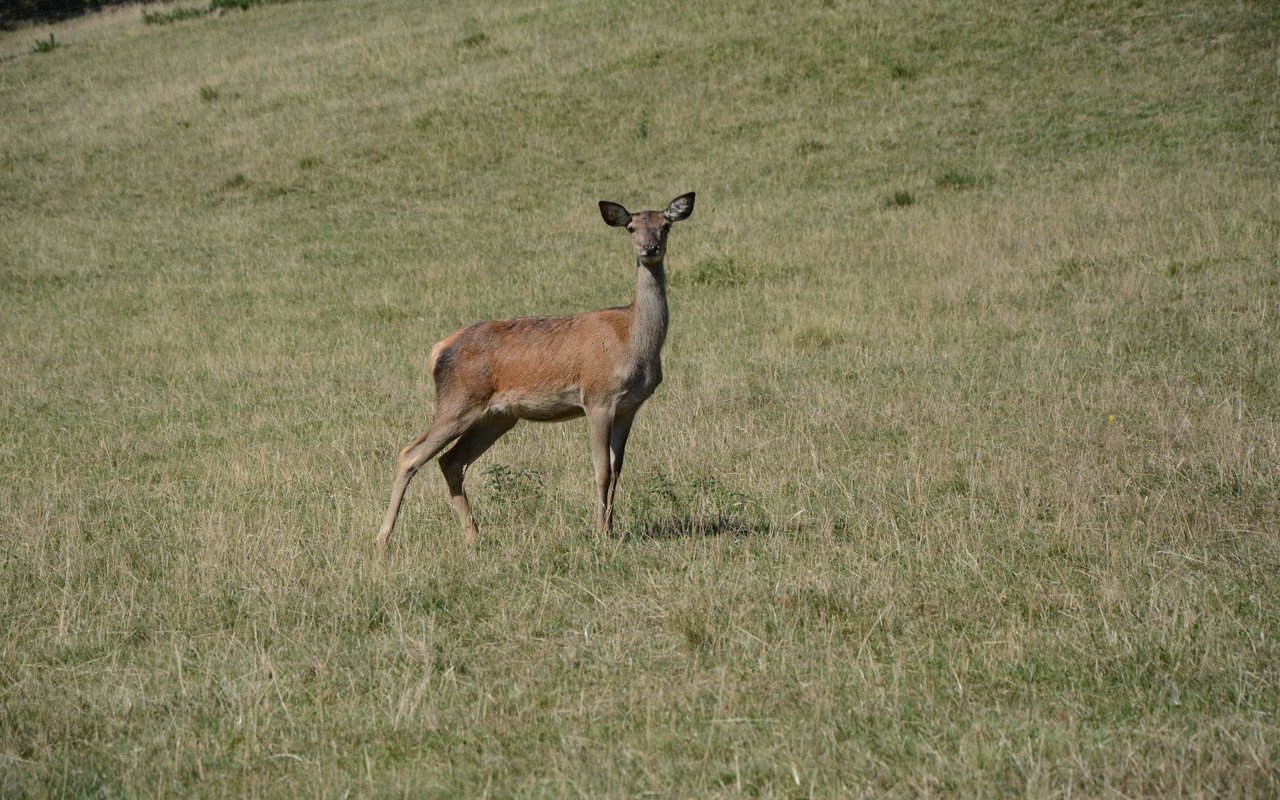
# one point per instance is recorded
(651, 249)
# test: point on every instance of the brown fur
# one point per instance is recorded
(484, 363)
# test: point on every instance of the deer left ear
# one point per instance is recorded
(614, 214)
(680, 208)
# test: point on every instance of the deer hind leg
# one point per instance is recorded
(470, 446)
(444, 429)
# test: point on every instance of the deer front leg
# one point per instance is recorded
(600, 423)
(618, 434)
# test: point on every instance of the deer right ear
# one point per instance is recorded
(614, 214)
(680, 208)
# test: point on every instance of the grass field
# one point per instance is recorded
(964, 479)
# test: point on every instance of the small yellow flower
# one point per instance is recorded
(1111, 418)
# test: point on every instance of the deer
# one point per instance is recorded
(602, 365)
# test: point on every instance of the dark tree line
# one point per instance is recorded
(13, 12)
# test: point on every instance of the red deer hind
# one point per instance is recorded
(601, 364)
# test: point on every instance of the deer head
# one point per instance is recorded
(648, 229)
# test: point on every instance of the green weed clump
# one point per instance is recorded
(174, 15)
(901, 198)
(962, 480)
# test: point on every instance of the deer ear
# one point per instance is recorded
(680, 208)
(614, 214)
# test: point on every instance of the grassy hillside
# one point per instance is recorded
(964, 479)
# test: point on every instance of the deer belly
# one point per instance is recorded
(539, 406)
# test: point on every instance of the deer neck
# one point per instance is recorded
(649, 311)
